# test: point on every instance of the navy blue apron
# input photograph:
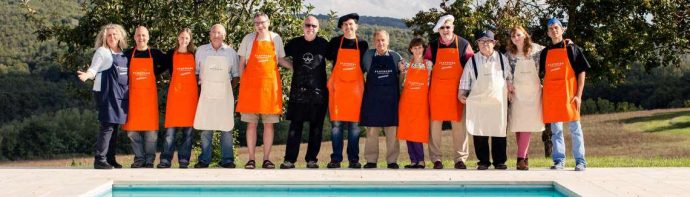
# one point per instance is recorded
(381, 94)
(113, 97)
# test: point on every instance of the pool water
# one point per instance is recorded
(358, 190)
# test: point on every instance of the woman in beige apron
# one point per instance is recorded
(525, 114)
(487, 79)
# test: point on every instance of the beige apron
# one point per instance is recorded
(487, 104)
(525, 108)
(216, 109)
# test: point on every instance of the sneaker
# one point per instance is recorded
(393, 166)
(101, 165)
(580, 167)
(312, 164)
(333, 164)
(500, 166)
(438, 165)
(370, 165)
(460, 165)
(558, 166)
(287, 165)
(268, 165)
(114, 164)
(226, 165)
(354, 165)
(251, 164)
(163, 165)
(200, 165)
(482, 167)
(137, 164)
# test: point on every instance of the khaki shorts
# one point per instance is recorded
(265, 118)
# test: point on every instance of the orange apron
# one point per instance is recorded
(183, 92)
(414, 106)
(560, 86)
(445, 78)
(260, 89)
(143, 95)
(346, 85)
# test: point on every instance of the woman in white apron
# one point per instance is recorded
(525, 114)
(487, 80)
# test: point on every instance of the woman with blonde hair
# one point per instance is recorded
(182, 99)
(525, 114)
(109, 70)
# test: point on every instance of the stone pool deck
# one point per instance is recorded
(593, 182)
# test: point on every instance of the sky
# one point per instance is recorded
(387, 8)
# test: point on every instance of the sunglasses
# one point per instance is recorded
(444, 27)
(310, 25)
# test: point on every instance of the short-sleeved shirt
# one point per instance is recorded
(248, 42)
(224, 51)
(334, 45)
(159, 59)
(575, 55)
(369, 56)
(469, 77)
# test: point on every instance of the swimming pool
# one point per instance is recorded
(359, 189)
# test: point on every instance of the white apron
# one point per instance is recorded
(487, 104)
(216, 108)
(525, 108)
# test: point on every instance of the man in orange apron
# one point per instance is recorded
(260, 94)
(183, 95)
(345, 90)
(217, 68)
(484, 89)
(142, 121)
(564, 67)
(449, 54)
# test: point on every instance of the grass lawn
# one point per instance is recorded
(654, 138)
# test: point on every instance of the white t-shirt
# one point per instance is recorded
(248, 42)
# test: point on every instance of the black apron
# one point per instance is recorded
(308, 93)
(381, 94)
(112, 100)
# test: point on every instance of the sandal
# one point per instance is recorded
(250, 165)
(268, 165)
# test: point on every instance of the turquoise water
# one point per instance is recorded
(334, 190)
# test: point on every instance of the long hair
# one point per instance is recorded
(526, 45)
(191, 48)
(101, 38)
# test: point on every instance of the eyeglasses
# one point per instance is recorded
(444, 27)
(257, 23)
(485, 42)
(310, 25)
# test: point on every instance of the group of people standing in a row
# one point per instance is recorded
(484, 94)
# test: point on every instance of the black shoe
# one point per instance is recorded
(184, 165)
(500, 166)
(369, 165)
(163, 165)
(287, 165)
(438, 165)
(482, 167)
(333, 164)
(201, 165)
(420, 166)
(148, 165)
(227, 165)
(411, 166)
(101, 165)
(114, 164)
(268, 165)
(355, 165)
(137, 164)
(393, 166)
(460, 165)
(312, 164)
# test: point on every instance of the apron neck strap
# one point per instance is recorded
(343, 38)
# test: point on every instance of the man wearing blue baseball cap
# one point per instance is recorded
(484, 89)
(563, 66)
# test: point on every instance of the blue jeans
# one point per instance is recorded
(144, 145)
(352, 141)
(225, 147)
(558, 153)
(185, 151)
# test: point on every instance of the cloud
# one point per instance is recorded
(387, 8)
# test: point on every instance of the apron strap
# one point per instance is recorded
(500, 57)
(474, 66)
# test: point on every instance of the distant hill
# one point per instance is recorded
(375, 20)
